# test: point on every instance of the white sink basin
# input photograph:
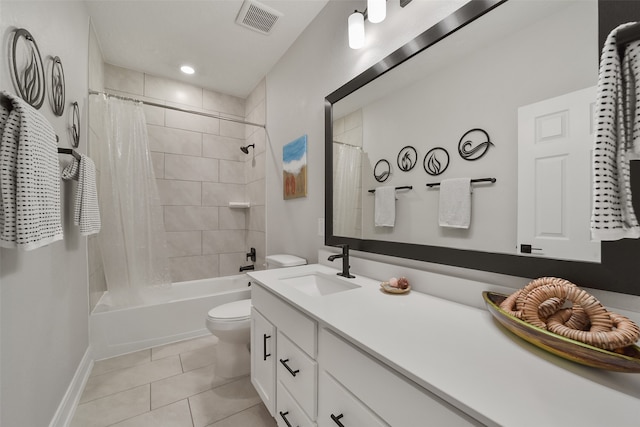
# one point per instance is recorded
(319, 284)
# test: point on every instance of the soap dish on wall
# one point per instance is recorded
(239, 205)
(386, 287)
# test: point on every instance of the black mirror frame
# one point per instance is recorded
(619, 270)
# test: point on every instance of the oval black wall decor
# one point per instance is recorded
(75, 127)
(57, 87)
(474, 144)
(26, 68)
(382, 170)
(436, 161)
(407, 158)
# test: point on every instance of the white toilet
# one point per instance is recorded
(231, 323)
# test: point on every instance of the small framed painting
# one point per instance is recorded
(294, 168)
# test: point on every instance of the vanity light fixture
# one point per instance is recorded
(356, 30)
(377, 10)
(187, 69)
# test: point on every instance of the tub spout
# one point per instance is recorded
(246, 267)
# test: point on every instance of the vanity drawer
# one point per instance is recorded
(338, 407)
(299, 327)
(395, 399)
(298, 373)
(289, 413)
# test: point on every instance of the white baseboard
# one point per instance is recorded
(67, 407)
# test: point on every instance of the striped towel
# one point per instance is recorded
(29, 182)
(87, 213)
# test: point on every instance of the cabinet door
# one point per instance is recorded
(263, 359)
(339, 408)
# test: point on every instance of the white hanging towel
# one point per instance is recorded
(385, 207)
(29, 177)
(87, 213)
(613, 216)
(455, 203)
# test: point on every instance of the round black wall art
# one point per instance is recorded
(436, 161)
(26, 68)
(407, 158)
(382, 170)
(57, 87)
(474, 144)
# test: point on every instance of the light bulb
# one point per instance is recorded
(376, 10)
(356, 30)
(187, 69)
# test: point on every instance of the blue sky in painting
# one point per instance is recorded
(295, 150)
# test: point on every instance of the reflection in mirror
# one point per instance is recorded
(521, 53)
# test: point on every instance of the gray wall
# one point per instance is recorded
(318, 63)
(43, 293)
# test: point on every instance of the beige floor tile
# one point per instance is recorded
(175, 415)
(182, 386)
(198, 358)
(182, 347)
(222, 402)
(124, 379)
(120, 362)
(112, 409)
(256, 416)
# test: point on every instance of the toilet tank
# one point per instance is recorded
(284, 260)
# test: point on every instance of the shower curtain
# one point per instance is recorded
(132, 241)
(346, 189)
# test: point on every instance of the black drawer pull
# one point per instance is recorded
(284, 417)
(265, 337)
(336, 419)
(291, 371)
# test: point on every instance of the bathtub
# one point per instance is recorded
(171, 314)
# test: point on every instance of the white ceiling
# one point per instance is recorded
(158, 36)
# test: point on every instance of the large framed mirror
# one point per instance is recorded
(484, 67)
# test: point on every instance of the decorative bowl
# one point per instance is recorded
(385, 286)
(626, 359)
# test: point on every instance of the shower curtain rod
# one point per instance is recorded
(183, 110)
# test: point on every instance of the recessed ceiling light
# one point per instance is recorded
(187, 69)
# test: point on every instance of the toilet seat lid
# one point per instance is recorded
(237, 310)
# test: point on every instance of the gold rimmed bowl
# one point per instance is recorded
(626, 359)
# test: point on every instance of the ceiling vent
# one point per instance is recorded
(257, 16)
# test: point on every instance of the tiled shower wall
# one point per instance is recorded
(199, 169)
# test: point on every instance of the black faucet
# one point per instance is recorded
(345, 261)
(252, 255)
(246, 267)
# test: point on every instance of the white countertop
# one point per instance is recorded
(462, 355)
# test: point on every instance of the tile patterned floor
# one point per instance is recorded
(174, 385)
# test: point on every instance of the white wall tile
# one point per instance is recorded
(218, 194)
(223, 241)
(174, 141)
(232, 172)
(184, 243)
(158, 164)
(223, 103)
(230, 263)
(255, 168)
(179, 192)
(222, 147)
(192, 122)
(232, 129)
(257, 218)
(193, 268)
(190, 168)
(256, 192)
(190, 218)
(172, 90)
(232, 219)
(123, 80)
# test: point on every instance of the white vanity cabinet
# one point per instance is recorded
(287, 380)
(356, 390)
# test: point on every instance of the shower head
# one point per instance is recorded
(245, 150)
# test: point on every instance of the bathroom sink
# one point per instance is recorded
(318, 284)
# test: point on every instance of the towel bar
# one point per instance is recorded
(69, 151)
(492, 180)
(404, 187)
